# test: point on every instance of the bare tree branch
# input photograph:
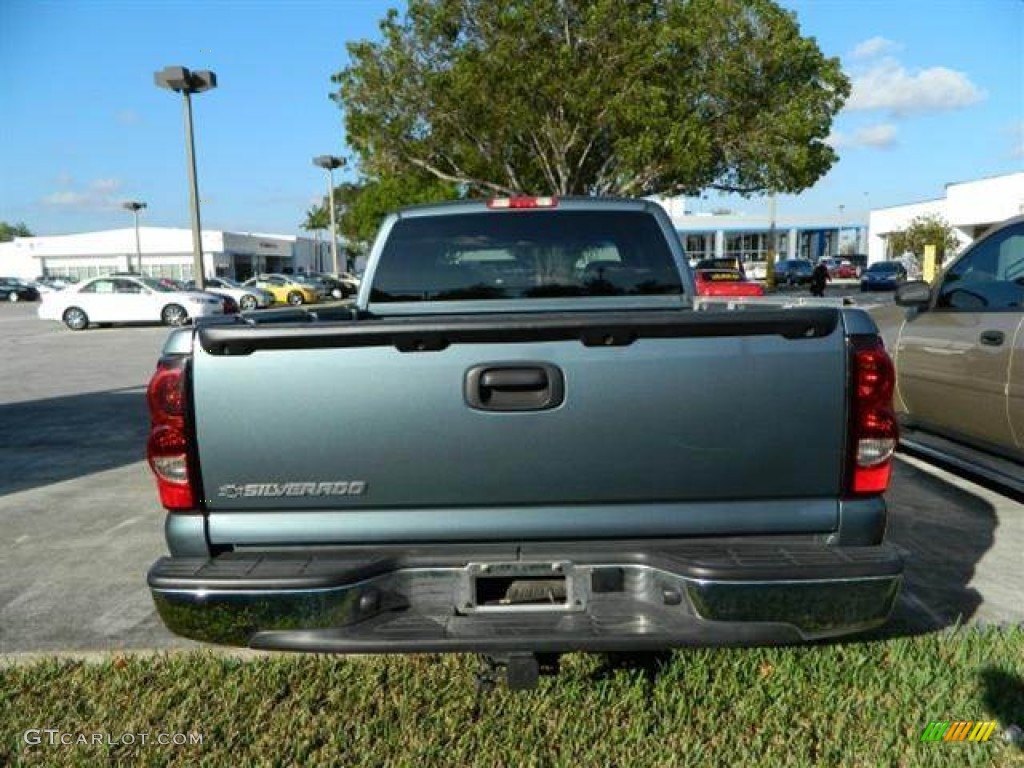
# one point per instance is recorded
(460, 179)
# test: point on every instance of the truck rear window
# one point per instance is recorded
(525, 254)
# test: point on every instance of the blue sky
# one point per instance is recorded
(938, 97)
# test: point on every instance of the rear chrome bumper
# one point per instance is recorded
(630, 600)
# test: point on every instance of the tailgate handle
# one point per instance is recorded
(514, 387)
(513, 378)
(992, 338)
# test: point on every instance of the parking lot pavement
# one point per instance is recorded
(82, 522)
(74, 560)
(845, 289)
(80, 517)
(42, 360)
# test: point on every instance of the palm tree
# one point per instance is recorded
(317, 220)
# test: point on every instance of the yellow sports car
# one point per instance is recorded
(285, 289)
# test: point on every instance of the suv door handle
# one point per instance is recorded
(992, 338)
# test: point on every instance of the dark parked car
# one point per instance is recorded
(793, 272)
(13, 289)
(335, 288)
(883, 276)
(54, 282)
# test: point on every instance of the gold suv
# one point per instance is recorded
(959, 351)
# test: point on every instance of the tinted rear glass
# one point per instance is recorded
(525, 254)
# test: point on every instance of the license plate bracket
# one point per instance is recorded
(518, 587)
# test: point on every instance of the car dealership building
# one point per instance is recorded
(165, 252)
(971, 207)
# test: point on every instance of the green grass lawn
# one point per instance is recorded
(851, 704)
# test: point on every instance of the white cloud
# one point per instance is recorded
(66, 199)
(875, 46)
(100, 194)
(887, 85)
(878, 136)
(838, 140)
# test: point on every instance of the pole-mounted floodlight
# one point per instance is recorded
(329, 163)
(135, 206)
(186, 82)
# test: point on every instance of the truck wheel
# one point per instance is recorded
(174, 315)
(76, 319)
(295, 298)
(248, 302)
(13, 297)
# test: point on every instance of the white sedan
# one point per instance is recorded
(126, 299)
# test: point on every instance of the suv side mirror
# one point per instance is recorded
(916, 293)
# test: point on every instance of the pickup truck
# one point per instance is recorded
(524, 438)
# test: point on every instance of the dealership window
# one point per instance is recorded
(85, 272)
(747, 246)
(699, 246)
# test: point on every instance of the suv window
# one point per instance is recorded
(527, 254)
(988, 277)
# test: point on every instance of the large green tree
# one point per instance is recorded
(928, 229)
(10, 231)
(365, 204)
(625, 97)
(317, 220)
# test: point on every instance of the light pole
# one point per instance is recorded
(135, 206)
(186, 82)
(769, 266)
(329, 163)
(839, 232)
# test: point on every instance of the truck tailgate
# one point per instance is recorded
(666, 411)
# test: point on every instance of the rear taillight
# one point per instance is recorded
(518, 203)
(873, 429)
(167, 447)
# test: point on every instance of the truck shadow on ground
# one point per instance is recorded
(1004, 697)
(943, 533)
(48, 441)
